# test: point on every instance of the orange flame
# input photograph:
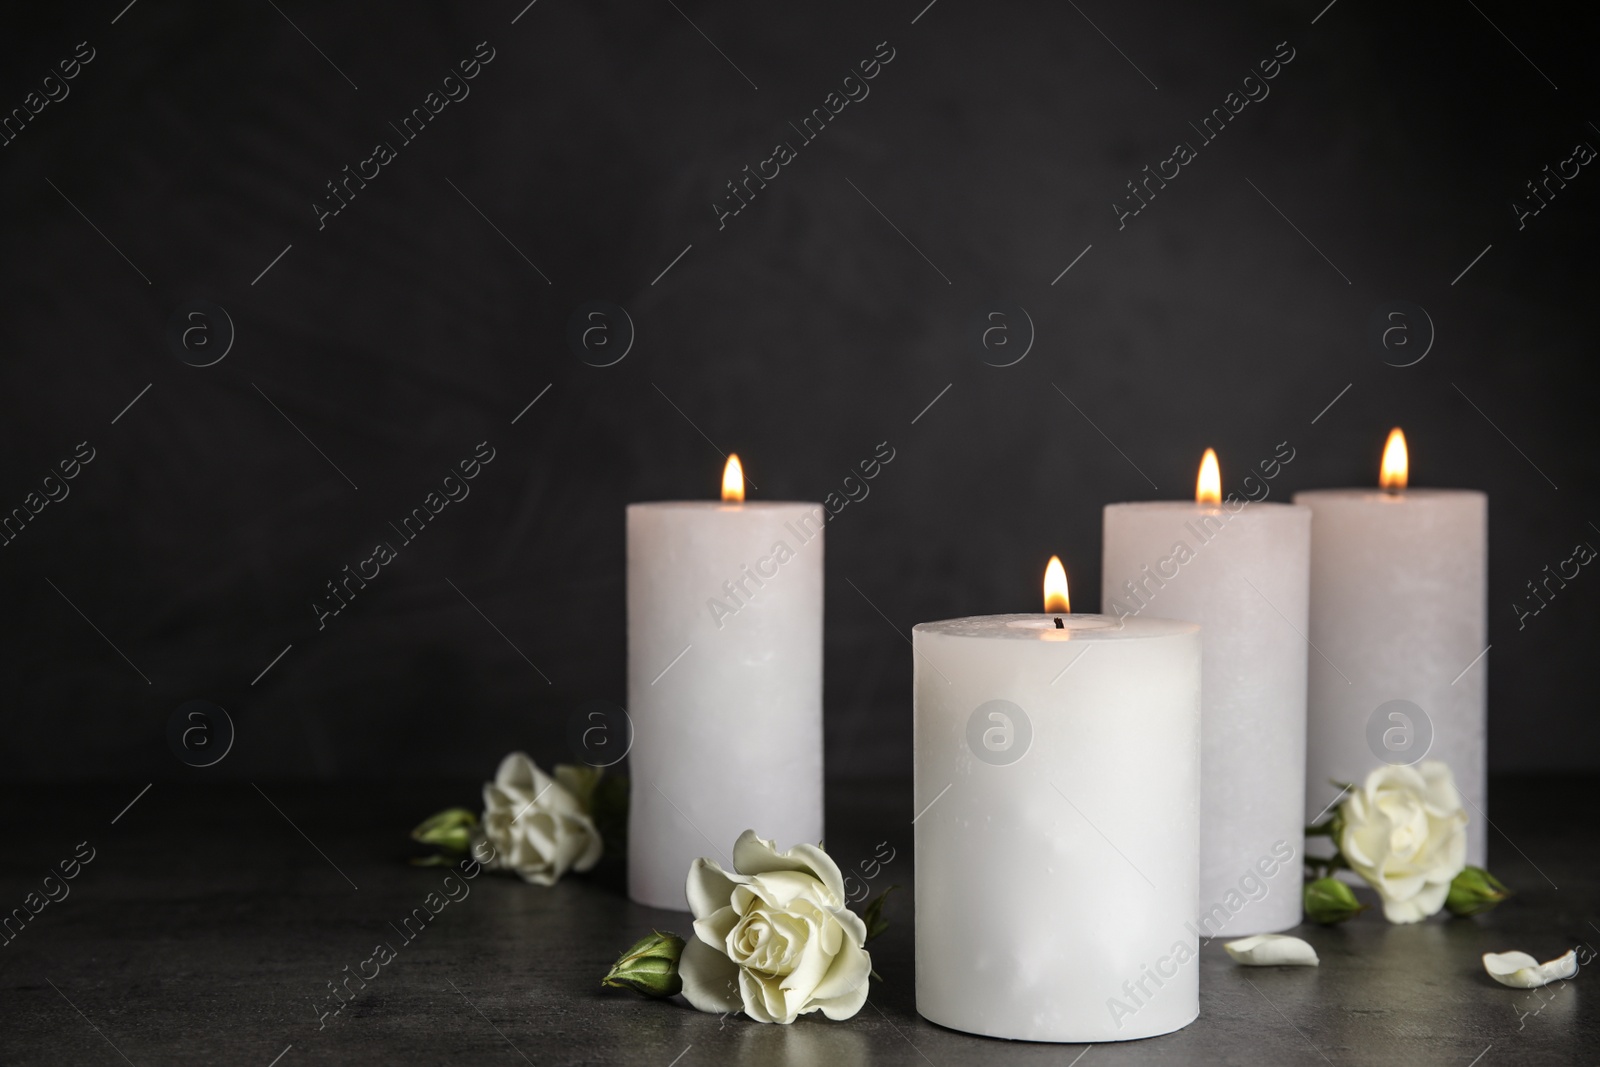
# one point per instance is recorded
(733, 480)
(1208, 487)
(1056, 601)
(1396, 463)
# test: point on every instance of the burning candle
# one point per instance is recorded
(1241, 570)
(724, 681)
(1057, 831)
(1399, 581)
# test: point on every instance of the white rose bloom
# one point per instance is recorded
(775, 937)
(1405, 833)
(536, 826)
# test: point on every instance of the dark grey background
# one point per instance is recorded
(801, 335)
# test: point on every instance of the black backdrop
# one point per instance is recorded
(582, 163)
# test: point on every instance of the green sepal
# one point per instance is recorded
(649, 967)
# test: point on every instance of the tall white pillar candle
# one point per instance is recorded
(1057, 838)
(1399, 588)
(1242, 571)
(724, 683)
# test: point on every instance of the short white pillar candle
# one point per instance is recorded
(1057, 837)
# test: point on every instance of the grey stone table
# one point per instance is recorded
(211, 919)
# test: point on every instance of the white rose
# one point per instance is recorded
(1404, 831)
(775, 937)
(536, 826)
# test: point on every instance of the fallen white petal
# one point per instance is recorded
(1521, 971)
(1273, 950)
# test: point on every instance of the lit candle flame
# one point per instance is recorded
(733, 480)
(1208, 487)
(1396, 463)
(1055, 588)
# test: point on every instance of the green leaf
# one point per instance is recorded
(649, 966)
(1474, 891)
(873, 916)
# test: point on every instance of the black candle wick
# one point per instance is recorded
(1059, 624)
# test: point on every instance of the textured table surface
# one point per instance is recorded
(207, 927)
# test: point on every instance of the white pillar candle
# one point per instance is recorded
(1242, 571)
(724, 683)
(1399, 588)
(1057, 836)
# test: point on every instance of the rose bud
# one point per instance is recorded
(450, 829)
(1329, 901)
(1474, 892)
(649, 967)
